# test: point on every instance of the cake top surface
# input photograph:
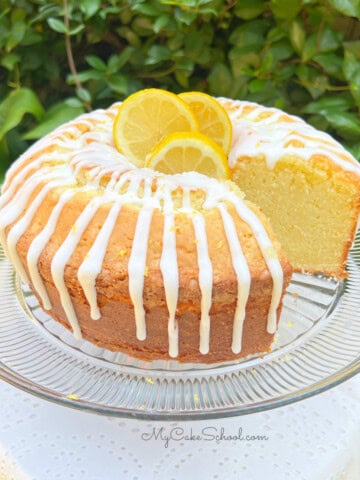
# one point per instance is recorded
(259, 130)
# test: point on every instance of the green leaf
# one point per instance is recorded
(347, 124)
(326, 105)
(220, 80)
(353, 47)
(57, 25)
(75, 30)
(354, 149)
(284, 74)
(85, 76)
(96, 62)
(10, 60)
(89, 7)
(11, 147)
(185, 17)
(31, 38)
(319, 122)
(248, 9)
(161, 22)
(330, 40)
(74, 102)
(158, 53)
(15, 106)
(182, 77)
(146, 9)
(281, 50)
(331, 62)
(18, 29)
(119, 84)
(18, 15)
(83, 94)
(351, 65)
(116, 62)
(257, 85)
(244, 59)
(56, 115)
(249, 34)
(310, 48)
(130, 36)
(5, 158)
(275, 34)
(312, 80)
(351, 69)
(285, 9)
(297, 36)
(347, 7)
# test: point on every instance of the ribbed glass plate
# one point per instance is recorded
(317, 347)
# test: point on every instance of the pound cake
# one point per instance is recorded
(178, 266)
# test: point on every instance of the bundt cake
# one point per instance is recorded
(177, 266)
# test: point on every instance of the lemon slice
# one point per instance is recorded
(213, 119)
(145, 118)
(186, 152)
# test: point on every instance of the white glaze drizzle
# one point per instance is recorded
(242, 274)
(92, 264)
(169, 270)
(62, 257)
(137, 268)
(205, 280)
(18, 229)
(17, 204)
(271, 259)
(38, 244)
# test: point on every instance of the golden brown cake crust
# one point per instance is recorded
(116, 328)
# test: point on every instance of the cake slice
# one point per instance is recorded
(305, 182)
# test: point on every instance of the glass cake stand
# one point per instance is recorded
(317, 347)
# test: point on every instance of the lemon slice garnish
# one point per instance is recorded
(186, 152)
(146, 117)
(212, 117)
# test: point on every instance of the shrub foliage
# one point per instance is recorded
(61, 58)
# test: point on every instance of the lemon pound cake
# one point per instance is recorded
(156, 266)
(160, 264)
(305, 182)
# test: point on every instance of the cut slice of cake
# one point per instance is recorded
(305, 182)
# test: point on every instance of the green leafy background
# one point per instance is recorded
(299, 55)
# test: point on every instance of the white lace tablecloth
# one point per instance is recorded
(316, 439)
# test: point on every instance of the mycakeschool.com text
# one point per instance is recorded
(217, 435)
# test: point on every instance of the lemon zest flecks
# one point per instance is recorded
(285, 358)
(150, 380)
(72, 396)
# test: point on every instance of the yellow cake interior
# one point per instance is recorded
(311, 207)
